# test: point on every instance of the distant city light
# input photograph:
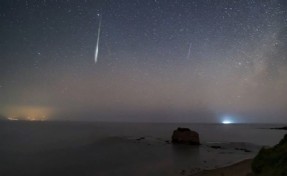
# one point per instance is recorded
(29, 113)
(12, 118)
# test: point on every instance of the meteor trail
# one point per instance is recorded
(98, 39)
(188, 54)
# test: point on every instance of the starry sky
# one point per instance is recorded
(158, 60)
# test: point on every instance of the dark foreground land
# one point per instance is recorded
(268, 162)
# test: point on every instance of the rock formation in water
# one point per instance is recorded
(271, 161)
(185, 136)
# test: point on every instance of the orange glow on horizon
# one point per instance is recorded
(28, 113)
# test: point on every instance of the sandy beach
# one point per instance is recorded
(242, 168)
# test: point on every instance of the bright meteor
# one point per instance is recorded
(98, 39)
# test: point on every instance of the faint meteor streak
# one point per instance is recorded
(189, 50)
(98, 39)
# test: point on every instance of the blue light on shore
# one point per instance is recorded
(226, 122)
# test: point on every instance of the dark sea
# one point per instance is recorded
(129, 149)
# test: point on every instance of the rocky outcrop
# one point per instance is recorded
(279, 128)
(185, 136)
(271, 161)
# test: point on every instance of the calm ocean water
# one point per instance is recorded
(97, 148)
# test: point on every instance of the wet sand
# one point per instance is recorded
(242, 168)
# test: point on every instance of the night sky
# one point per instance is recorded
(158, 60)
